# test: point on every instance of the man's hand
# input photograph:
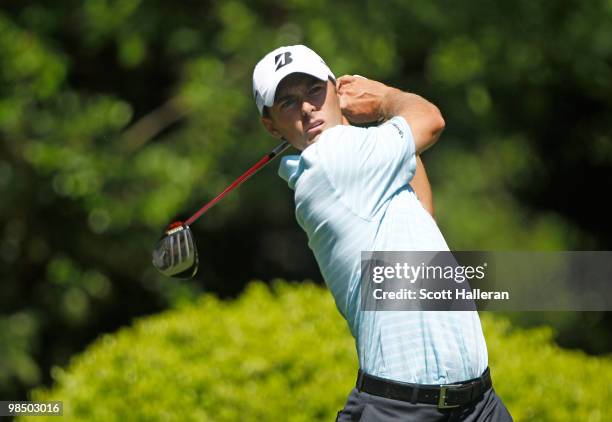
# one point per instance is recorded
(361, 99)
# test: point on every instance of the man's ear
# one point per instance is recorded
(269, 125)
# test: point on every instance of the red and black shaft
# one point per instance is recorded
(261, 163)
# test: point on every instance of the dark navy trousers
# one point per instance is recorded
(366, 407)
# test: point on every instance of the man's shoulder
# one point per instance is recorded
(337, 137)
(340, 131)
(334, 144)
(347, 133)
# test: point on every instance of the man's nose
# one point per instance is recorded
(307, 108)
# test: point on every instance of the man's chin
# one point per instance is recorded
(314, 139)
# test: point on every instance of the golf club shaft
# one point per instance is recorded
(261, 163)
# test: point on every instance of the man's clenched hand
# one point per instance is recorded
(361, 99)
(364, 100)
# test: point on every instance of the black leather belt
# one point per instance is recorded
(444, 396)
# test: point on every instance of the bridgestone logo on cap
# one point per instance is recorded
(282, 59)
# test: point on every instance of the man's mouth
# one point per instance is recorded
(314, 128)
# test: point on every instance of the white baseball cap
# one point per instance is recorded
(283, 61)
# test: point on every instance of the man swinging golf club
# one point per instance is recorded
(352, 194)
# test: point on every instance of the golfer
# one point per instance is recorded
(352, 194)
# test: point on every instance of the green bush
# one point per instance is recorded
(285, 354)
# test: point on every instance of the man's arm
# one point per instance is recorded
(365, 100)
(420, 184)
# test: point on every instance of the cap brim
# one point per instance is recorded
(320, 72)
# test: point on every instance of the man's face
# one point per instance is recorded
(304, 107)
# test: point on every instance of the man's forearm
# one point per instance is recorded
(424, 118)
(363, 100)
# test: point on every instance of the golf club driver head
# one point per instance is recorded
(175, 254)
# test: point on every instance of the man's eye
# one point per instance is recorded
(286, 104)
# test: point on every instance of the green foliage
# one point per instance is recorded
(285, 354)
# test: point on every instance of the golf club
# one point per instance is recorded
(175, 254)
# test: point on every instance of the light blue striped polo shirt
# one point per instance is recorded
(352, 195)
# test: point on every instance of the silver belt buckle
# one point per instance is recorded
(442, 399)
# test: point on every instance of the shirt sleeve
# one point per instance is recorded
(368, 166)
